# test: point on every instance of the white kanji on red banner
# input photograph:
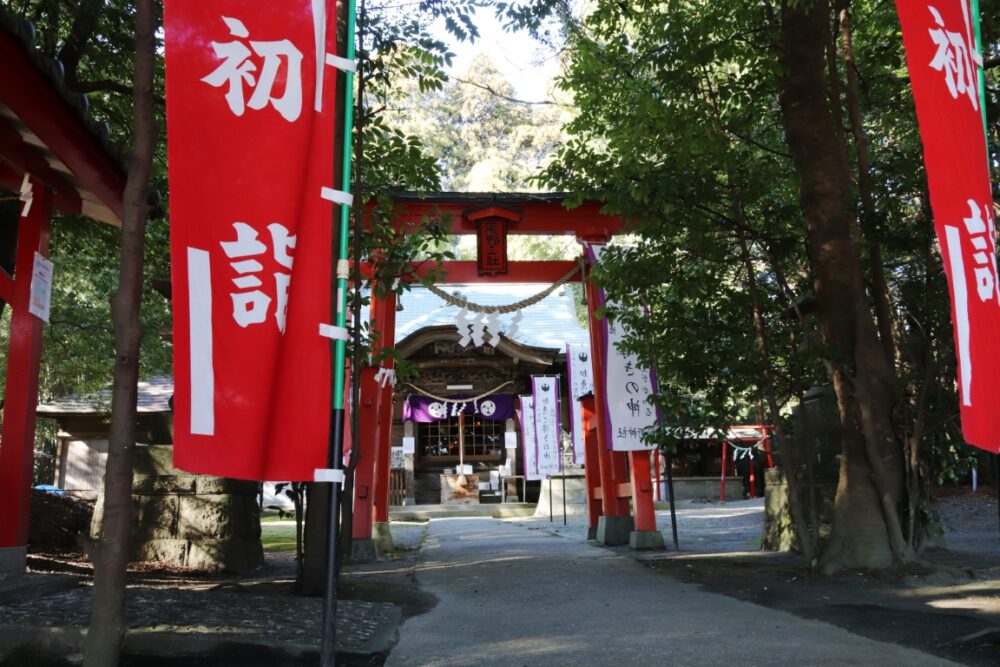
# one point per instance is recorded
(250, 120)
(252, 305)
(943, 62)
(956, 57)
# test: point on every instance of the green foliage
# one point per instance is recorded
(678, 129)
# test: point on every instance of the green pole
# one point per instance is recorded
(980, 72)
(335, 454)
(345, 211)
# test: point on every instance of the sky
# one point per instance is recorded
(528, 64)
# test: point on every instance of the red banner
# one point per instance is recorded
(943, 63)
(250, 119)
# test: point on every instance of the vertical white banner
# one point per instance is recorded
(548, 431)
(626, 385)
(581, 383)
(527, 417)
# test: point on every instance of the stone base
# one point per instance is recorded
(576, 496)
(646, 540)
(200, 522)
(591, 533)
(12, 560)
(382, 538)
(363, 551)
(614, 530)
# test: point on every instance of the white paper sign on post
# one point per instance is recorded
(548, 431)
(41, 288)
(510, 440)
(581, 383)
(409, 445)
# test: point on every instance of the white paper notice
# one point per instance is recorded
(41, 288)
(510, 440)
(409, 445)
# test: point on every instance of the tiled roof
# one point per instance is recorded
(550, 323)
(154, 396)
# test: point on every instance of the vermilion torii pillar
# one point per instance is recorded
(364, 471)
(383, 333)
(21, 391)
(592, 469)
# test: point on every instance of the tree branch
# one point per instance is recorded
(110, 86)
(494, 93)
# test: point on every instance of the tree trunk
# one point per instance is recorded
(789, 457)
(107, 621)
(867, 530)
(869, 219)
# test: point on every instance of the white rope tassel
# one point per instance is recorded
(477, 330)
(514, 321)
(464, 329)
(385, 376)
(27, 196)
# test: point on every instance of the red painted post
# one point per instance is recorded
(364, 472)
(722, 482)
(383, 326)
(642, 491)
(611, 504)
(592, 468)
(24, 351)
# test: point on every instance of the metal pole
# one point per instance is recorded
(564, 497)
(461, 443)
(335, 453)
(670, 494)
(722, 482)
(550, 498)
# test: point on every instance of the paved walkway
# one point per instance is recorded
(519, 597)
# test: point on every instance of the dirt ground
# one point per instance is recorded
(951, 608)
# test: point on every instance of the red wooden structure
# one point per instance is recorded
(68, 168)
(617, 481)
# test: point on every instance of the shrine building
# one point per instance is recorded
(489, 377)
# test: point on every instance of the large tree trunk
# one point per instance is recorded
(867, 531)
(107, 621)
(869, 216)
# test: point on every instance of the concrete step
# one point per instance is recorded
(494, 510)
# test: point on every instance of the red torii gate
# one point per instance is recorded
(615, 480)
(68, 168)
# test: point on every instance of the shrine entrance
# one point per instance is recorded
(462, 421)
